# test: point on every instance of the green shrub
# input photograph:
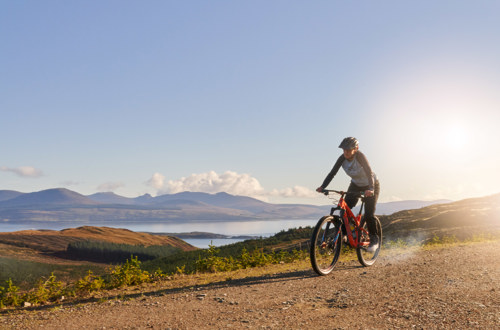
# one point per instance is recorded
(399, 243)
(129, 273)
(47, 290)
(9, 295)
(255, 259)
(228, 256)
(89, 284)
(484, 237)
(212, 262)
(436, 240)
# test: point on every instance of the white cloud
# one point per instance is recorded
(295, 192)
(230, 182)
(211, 182)
(157, 181)
(109, 186)
(24, 171)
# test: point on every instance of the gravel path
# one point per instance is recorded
(452, 287)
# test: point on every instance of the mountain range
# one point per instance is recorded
(61, 204)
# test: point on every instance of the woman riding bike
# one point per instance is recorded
(363, 180)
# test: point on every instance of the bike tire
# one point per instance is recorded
(326, 243)
(365, 257)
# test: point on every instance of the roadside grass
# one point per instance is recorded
(27, 273)
(439, 241)
(401, 249)
(50, 290)
(211, 267)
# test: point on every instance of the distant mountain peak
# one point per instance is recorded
(110, 198)
(9, 194)
(51, 196)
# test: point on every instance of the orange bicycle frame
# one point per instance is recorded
(347, 215)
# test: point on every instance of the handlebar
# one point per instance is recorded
(326, 192)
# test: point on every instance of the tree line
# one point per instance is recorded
(106, 252)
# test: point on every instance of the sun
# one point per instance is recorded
(456, 137)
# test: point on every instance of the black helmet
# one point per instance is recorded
(349, 143)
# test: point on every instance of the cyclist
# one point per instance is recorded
(363, 179)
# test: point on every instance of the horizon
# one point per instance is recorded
(251, 99)
(222, 192)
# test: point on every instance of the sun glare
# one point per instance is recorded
(456, 137)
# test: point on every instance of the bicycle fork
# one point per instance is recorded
(324, 238)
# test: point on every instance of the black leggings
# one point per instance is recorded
(370, 203)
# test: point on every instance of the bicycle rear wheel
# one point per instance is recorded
(366, 257)
(326, 242)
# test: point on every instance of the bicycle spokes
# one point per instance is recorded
(326, 243)
(367, 255)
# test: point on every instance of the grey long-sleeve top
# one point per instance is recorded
(358, 169)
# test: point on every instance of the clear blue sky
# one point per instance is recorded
(249, 97)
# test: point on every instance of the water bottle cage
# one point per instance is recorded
(353, 229)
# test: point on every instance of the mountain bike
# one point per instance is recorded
(342, 225)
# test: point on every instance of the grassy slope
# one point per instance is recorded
(56, 241)
(28, 255)
(462, 219)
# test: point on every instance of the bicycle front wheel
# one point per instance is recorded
(326, 243)
(366, 256)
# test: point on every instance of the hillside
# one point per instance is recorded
(45, 243)
(462, 218)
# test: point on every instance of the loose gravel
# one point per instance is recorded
(454, 287)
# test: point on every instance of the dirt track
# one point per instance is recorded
(457, 287)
